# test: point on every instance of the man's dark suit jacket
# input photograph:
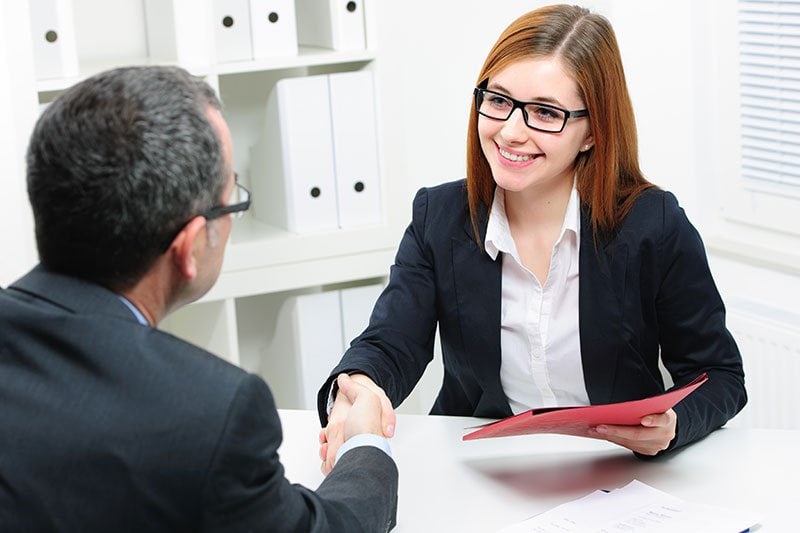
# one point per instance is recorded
(109, 425)
(644, 289)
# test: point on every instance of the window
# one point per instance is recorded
(769, 87)
(755, 121)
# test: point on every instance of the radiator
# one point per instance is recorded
(769, 340)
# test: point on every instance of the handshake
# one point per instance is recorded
(360, 407)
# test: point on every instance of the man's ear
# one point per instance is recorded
(183, 247)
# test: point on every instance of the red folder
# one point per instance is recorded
(578, 420)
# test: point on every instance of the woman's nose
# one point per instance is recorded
(514, 129)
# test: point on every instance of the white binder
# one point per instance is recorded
(179, 31)
(335, 24)
(355, 148)
(273, 28)
(306, 347)
(232, 30)
(53, 32)
(357, 304)
(293, 182)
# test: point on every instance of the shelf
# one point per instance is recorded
(253, 242)
(89, 69)
(300, 274)
(307, 57)
(264, 264)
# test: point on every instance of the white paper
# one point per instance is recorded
(633, 508)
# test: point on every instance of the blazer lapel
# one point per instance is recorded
(478, 291)
(601, 296)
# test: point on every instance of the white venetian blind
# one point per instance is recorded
(769, 60)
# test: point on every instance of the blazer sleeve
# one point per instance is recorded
(397, 345)
(692, 333)
(246, 490)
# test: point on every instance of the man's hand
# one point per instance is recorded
(650, 437)
(360, 407)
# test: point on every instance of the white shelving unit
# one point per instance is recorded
(264, 264)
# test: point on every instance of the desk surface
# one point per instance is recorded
(481, 486)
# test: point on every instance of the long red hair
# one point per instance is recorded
(608, 177)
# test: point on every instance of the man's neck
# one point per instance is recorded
(154, 295)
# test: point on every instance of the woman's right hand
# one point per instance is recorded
(341, 425)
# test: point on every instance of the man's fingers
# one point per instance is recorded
(388, 418)
(323, 451)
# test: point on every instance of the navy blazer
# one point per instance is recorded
(646, 289)
(110, 425)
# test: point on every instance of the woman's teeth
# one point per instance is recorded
(515, 157)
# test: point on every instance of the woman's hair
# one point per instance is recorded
(608, 177)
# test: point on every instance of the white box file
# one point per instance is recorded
(292, 170)
(306, 347)
(315, 168)
(179, 31)
(53, 32)
(355, 148)
(273, 28)
(232, 30)
(334, 24)
(312, 331)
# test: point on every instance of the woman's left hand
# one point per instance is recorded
(650, 437)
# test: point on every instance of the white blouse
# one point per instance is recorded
(539, 335)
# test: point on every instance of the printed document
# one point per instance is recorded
(633, 508)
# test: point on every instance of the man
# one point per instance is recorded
(107, 423)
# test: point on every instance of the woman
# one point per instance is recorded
(557, 274)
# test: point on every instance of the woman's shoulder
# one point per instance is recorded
(444, 192)
(655, 206)
(441, 209)
(657, 215)
(446, 200)
(655, 197)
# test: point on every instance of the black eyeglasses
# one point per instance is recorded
(538, 116)
(238, 203)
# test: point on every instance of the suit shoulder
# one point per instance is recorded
(206, 368)
(441, 203)
(656, 207)
(657, 217)
(451, 191)
(654, 197)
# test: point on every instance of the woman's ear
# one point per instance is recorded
(588, 143)
(184, 246)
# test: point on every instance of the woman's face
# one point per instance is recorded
(522, 158)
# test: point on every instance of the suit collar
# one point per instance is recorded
(72, 294)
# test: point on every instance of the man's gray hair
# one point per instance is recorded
(117, 165)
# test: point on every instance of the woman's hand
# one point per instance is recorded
(338, 430)
(650, 437)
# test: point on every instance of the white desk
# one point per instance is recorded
(480, 486)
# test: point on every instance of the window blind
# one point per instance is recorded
(769, 68)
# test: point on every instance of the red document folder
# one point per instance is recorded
(578, 420)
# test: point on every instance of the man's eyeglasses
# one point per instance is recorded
(238, 203)
(538, 116)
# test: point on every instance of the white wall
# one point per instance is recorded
(17, 109)
(440, 46)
